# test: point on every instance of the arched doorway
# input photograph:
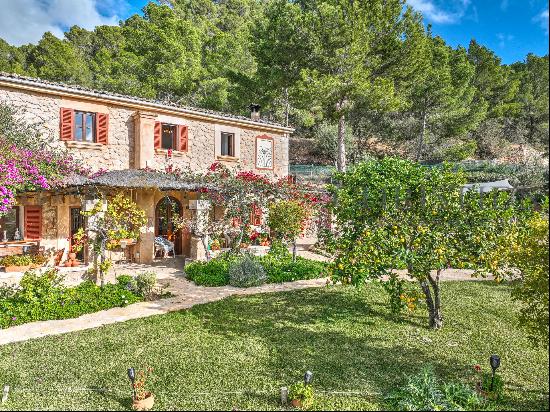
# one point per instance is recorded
(167, 208)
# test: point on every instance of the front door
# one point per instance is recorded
(168, 208)
(76, 222)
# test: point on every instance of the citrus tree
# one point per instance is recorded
(286, 220)
(395, 213)
(121, 219)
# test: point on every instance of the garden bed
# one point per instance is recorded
(42, 296)
(278, 268)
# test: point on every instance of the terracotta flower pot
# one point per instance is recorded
(68, 264)
(75, 262)
(72, 256)
(17, 268)
(144, 404)
(296, 403)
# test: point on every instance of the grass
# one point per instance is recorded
(256, 344)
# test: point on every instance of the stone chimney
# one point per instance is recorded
(254, 111)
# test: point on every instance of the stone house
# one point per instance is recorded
(128, 137)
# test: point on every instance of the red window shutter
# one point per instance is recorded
(102, 128)
(66, 124)
(158, 134)
(33, 222)
(183, 138)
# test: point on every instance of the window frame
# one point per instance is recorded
(84, 117)
(231, 147)
(175, 138)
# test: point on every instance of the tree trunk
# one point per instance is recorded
(294, 250)
(205, 246)
(287, 106)
(433, 300)
(421, 138)
(341, 160)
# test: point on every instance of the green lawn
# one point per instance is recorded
(257, 344)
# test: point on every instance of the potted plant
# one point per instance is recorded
(215, 244)
(22, 263)
(142, 400)
(301, 395)
(488, 385)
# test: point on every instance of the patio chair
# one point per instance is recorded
(164, 245)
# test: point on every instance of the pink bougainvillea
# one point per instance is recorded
(25, 169)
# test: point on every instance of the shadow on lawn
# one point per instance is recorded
(306, 329)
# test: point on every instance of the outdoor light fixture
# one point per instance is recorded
(132, 377)
(308, 377)
(494, 360)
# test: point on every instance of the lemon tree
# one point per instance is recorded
(394, 213)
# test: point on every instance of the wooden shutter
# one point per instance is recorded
(33, 222)
(102, 128)
(256, 217)
(66, 124)
(158, 134)
(182, 138)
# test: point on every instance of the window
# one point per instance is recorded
(9, 224)
(168, 138)
(84, 127)
(228, 144)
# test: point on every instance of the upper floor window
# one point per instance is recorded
(84, 127)
(227, 144)
(168, 139)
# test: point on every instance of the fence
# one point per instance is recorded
(312, 173)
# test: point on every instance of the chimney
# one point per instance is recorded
(254, 111)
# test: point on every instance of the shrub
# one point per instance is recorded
(423, 392)
(145, 283)
(23, 260)
(246, 273)
(41, 296)
(215, 272)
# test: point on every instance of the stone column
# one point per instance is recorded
(144, 145)
(201, 210)
(146, 244)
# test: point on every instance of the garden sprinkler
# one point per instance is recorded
(308, 377)
(132, 377)
(494, 360)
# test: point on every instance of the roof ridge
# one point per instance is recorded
(17, 78)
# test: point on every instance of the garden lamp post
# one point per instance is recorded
(308, 377)
(494, 360)
(132, 377)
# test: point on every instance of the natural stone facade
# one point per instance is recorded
(119, 153)
(130, 145)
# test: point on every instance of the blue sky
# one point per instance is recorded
(511, 28)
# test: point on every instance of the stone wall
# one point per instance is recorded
(44, 109)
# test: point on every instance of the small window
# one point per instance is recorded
(168, 140)
(228, 144)
(84, 127)
(9, 223)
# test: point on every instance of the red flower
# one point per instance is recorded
(477, 368)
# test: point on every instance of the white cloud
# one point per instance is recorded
(503, 39)
(437, 13)
(542, 19)
(25, 21)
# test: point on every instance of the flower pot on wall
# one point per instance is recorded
(144, 404)
(17, 268)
